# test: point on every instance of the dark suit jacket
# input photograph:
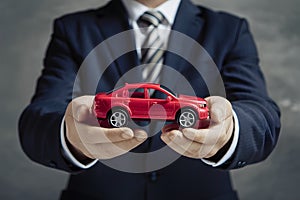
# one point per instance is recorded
(225, 37)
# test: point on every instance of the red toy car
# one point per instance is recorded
(144, 101)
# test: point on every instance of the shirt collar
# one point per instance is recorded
(136, 10)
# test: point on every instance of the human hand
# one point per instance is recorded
(90, 140)
(203, 143)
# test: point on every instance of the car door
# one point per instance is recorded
(137, 103)
(160, 107)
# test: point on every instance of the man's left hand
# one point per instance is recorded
(203, 143)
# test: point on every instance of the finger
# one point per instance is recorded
(140, 135)
(81, 110)
(96, 134)
(86, 100)
(172, 133)
(187, 147)
(75, 103)
(183, 146)
(209, 151)
(169, 127)
(212, 148)
(73, 137)
(176, 147)
(85, 115)
(219, 108)
(177, 137)
(210, 135)
(224, 140)
(112, 150)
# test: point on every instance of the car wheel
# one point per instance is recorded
(187, 118)
(118, 118)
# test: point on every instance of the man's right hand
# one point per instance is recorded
(90, 140)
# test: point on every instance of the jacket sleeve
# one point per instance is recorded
(259, 116)
(39, 124)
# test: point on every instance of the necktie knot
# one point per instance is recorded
(151, 18)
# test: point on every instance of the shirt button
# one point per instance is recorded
(153, 176)
(241, 164)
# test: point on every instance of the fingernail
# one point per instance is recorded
(141, 135)
(127, 134)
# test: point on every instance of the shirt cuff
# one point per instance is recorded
(67, 153)
(232, 147)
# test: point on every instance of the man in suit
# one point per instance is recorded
(58, 131)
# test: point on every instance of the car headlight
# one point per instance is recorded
(202, 105)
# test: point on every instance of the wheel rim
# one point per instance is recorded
(187, 119)
(118, 119)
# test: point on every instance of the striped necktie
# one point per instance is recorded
(153, 47)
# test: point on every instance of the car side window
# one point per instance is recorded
(157, 94)
(137, 93)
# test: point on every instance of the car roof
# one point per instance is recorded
(142, 85)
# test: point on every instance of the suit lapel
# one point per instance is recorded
(189, 22)
(113, 20)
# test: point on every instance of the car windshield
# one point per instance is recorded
(169, 90)
(115, 89)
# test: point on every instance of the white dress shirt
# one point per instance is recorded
(135, 11)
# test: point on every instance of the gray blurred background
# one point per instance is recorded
(24, 34)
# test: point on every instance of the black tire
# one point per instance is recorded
(187, 118)
(118, 118)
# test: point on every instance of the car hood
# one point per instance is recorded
(101, 95)
(191, 98)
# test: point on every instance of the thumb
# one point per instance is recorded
(84, 114)
(219, 108)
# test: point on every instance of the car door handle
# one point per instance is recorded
(154, 103)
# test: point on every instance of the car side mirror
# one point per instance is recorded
(169, 98)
